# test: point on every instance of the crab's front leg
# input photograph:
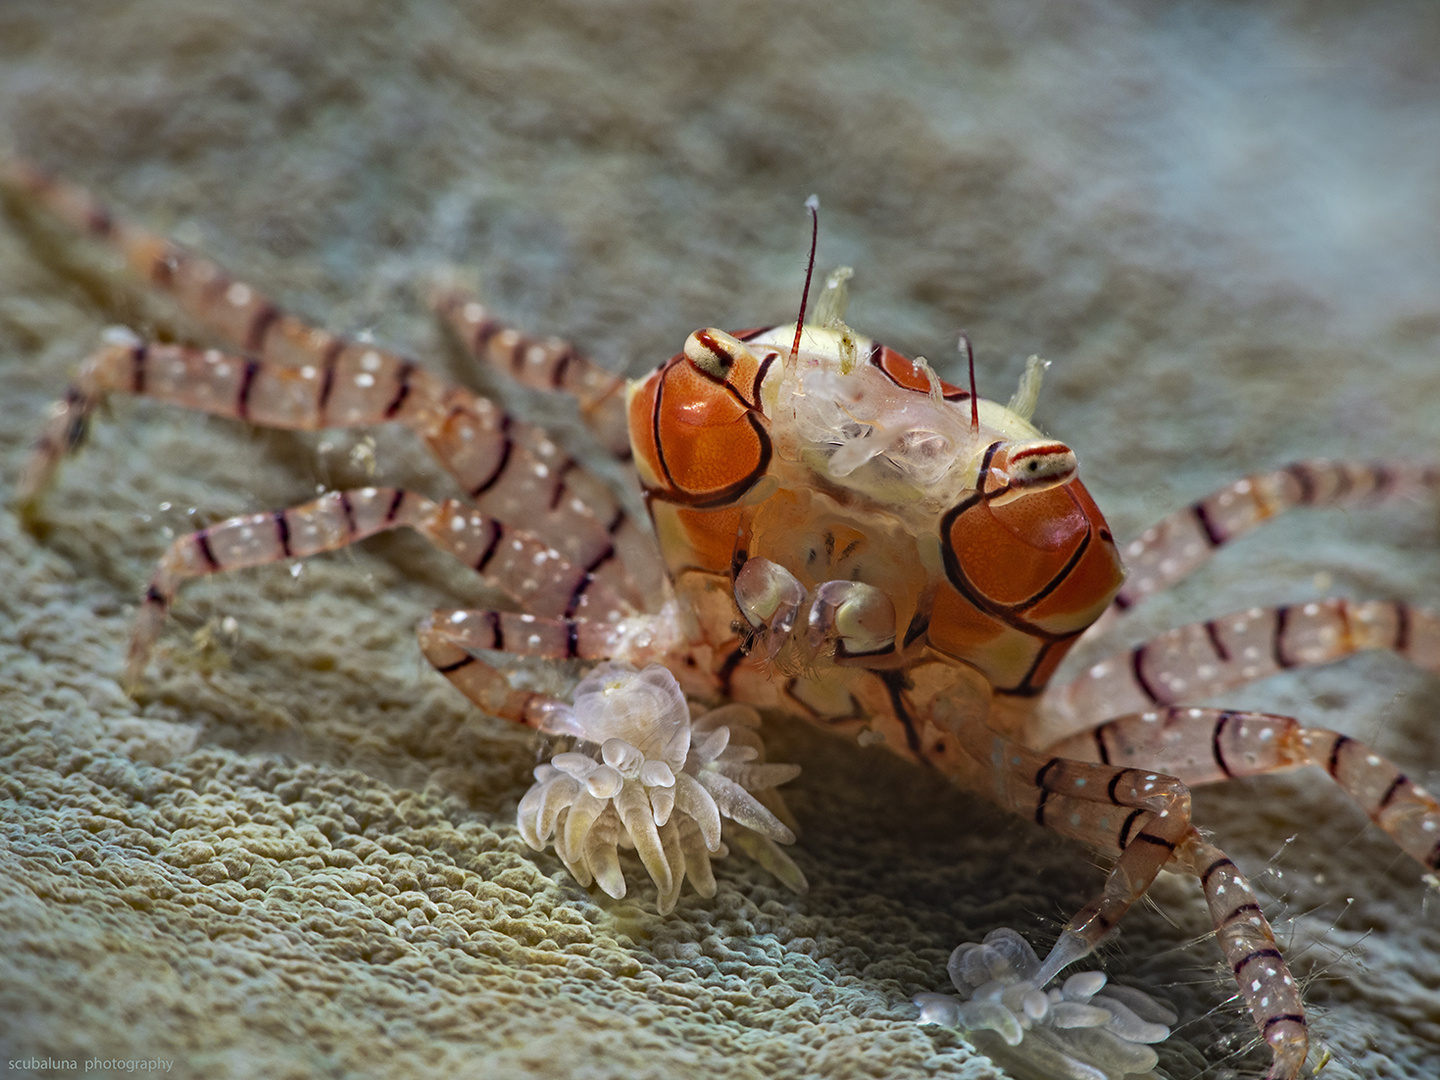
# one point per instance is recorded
(509, 559)
(842, 618)
(1145, 817)
(646, 770)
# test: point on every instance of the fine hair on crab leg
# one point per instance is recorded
(511, 467)
(1253, 954)
(514, 561)
(1207, 746)
(1176, 546)
(364, 386)
(1244, 934)
(547, 363)
(1202, 659)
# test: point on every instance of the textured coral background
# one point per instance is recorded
(295, 854)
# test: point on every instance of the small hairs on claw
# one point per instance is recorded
(646, 775)
(1079, 1030)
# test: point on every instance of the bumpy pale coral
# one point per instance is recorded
(1080, 1030)
(647, 774)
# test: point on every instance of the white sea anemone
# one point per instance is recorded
(1080, 1030)
(647, 774)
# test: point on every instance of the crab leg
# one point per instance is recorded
(1202, 659)
(521, 565)
(345, 383)
(1142, 813)
(1253, 954)
(450, 640)
(1176, 546)
(1145, 816)
(473, 439)
(544, 364)
(235, 311)
(1205, 746)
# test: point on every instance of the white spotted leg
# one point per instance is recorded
(1145, 686)
(547, 363)
(1139, 812)
(1131, 806)
(552, 364)
(1207, 745)
(297, 376)
(1180, 544)
(461, 645)
(469, 435)
(521, 565)
(1206, 658)
(1253, 954)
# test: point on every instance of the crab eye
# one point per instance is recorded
(716, 354)
(1019, 469)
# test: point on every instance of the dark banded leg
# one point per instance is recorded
(1203, 659)
(517, 472)
(515, 468)
(544, 364)
(1205, 746)
(512, 471)
(236, 312)
(1141, 813)
(1250, 949)
(1178, 545)
(510, 559)
(451, 640)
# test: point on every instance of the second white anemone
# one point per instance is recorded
(647, 774)
(1083, 1029)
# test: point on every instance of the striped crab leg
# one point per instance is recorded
(1253, 954)
(1178, 545)
(543, 364)
(514, 466)
(1128, 805)
(516, 562)
(472, 438)
(1202, 659)
(1207, 746)
(451, 641)
(1140, 812)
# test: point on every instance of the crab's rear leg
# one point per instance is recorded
(514, 561)
(236, 312)
(243, 316)
(1144, 686)
(542, 363)
(513, 468)
(1206, 746)
(1202, 659)
(473, 439)
(1180, 544)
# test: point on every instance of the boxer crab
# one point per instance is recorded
(837, 534)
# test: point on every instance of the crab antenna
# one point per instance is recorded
(813, 205)
(974, 398)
